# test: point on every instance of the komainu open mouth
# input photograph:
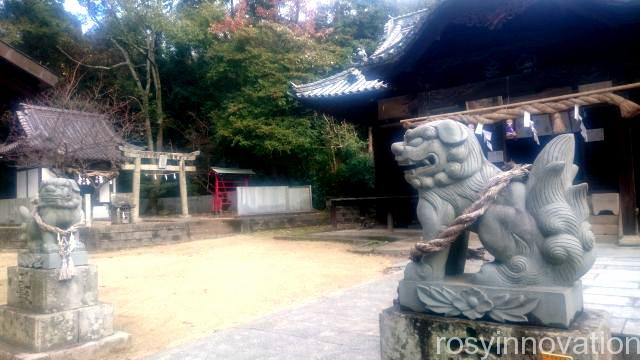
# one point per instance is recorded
(429, 161)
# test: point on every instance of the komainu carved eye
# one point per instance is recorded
(416, 142)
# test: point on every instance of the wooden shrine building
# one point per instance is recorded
(473, 60)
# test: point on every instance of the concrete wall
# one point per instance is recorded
(125, 236)
(259, 200)
(281, 221)
(10, 238)
(355, 214)
(9, 214)
(168, 206)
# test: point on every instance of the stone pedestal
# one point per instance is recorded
(50, 319)
(555, 306)
(49, 260)
(408, 335)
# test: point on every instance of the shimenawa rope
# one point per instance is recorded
(447, 236)
(66, 244)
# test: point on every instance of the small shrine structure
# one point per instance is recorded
(224, 186)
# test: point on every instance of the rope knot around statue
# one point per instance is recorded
(447, 236)
(66, 239)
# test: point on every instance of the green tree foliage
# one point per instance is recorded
(38, 28)
(214, 75)
(355, 23)
(256, 123)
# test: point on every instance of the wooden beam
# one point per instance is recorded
(155, 167)
(143, 154)
(25, 63)
(409, 122)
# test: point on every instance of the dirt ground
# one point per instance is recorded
(166, 295)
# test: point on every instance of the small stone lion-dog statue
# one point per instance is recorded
(59, 205)
(537, 230)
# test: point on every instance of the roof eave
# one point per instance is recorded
(24, 62)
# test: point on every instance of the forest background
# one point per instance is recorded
(214, 76)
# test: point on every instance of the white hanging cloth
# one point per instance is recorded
(578, 117)
(528, 122)
(487, 135)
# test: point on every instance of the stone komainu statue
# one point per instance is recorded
(537, 230)
(59, 205)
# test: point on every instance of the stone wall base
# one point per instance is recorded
(98, 349)
(408, 335)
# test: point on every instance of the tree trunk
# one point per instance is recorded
(159, 109)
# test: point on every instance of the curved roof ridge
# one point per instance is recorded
(349, 81)
(25, 106)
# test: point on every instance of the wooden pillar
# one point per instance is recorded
(333, 211)
(135, 197)
(184, 201)
(389, 220)
(626, 177)
(88, 210)
(558, 124)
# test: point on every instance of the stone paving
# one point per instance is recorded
(613, 284)
(344, 325)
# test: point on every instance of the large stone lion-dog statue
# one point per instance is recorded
(537, 230)
(59, 204)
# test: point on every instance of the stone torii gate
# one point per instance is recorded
(160, 162)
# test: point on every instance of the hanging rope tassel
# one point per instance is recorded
(66, 244)
(67, 269)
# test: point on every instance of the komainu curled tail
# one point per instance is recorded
(552, 242)
(561, 212)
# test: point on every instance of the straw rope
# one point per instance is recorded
(627, 107)
(447, 236)
(65, 244)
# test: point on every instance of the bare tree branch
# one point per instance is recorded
(91, 66)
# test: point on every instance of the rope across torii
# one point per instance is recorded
(551, 105)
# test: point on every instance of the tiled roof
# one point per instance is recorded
(399, 32)
(350, 81)
(81, 135)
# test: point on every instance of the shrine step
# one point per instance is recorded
(607, 239)
(604, 219)
(605, 228)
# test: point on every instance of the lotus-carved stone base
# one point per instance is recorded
(554, 306)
